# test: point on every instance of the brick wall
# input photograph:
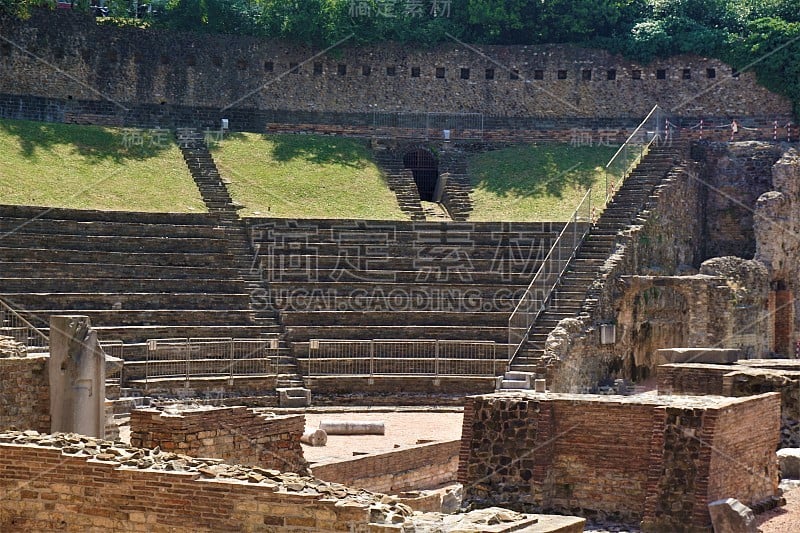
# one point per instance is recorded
(235, 434)
(591, 455)
(426, 466)
(743, 379)
(733, 447)
(747, 381)
(691, 378)
(45, 490)
(25, 393)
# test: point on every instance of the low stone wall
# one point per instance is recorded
(67, 483)
(691, 378)
(234, 434)
(575, 130)
(746, 381)
(395, 390)
(745, 378)
(25, 393)
(426, 466)
(622, 457)
(209, 387)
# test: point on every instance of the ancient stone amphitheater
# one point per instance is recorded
(634, 364)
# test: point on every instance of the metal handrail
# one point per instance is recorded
(33, 331)
(623, 149)
(514, 346)
(371, 356)
(190, 352)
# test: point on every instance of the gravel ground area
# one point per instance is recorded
(784, 519)
(402, 429)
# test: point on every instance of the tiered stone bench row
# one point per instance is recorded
(412, 281)
(137, 275)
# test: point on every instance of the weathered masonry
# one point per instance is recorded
(111, 78)
(654, 460)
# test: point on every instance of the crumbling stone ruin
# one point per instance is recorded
(234, 434)
(654, 460)
(709, 261)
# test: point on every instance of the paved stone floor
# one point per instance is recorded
(403, 428)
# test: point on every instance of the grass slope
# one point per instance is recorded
(304, 176)
(92, 167)
(536, 182)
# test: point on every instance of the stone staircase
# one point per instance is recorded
(456, 195)
(572, 296)
(401, 182)
(217, 198)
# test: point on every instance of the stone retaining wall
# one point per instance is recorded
(102, 75)
(426, 466)
(657, 460)
(396, 390)
(25, 393)
(234, 434)
(577, 131)
(743, 379)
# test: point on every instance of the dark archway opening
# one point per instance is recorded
(425, 170)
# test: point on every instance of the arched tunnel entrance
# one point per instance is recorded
(425, 170)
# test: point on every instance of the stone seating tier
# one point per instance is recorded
(137, 275)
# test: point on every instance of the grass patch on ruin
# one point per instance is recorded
(304, 176)
(93, 167)
(536, 182)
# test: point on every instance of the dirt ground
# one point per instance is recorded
(784, 519)
(401, 429)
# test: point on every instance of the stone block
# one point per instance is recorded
(732, 516)
(294, 397)
(724, 356)
(789, 463)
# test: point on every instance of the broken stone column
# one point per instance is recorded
(77, 377)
